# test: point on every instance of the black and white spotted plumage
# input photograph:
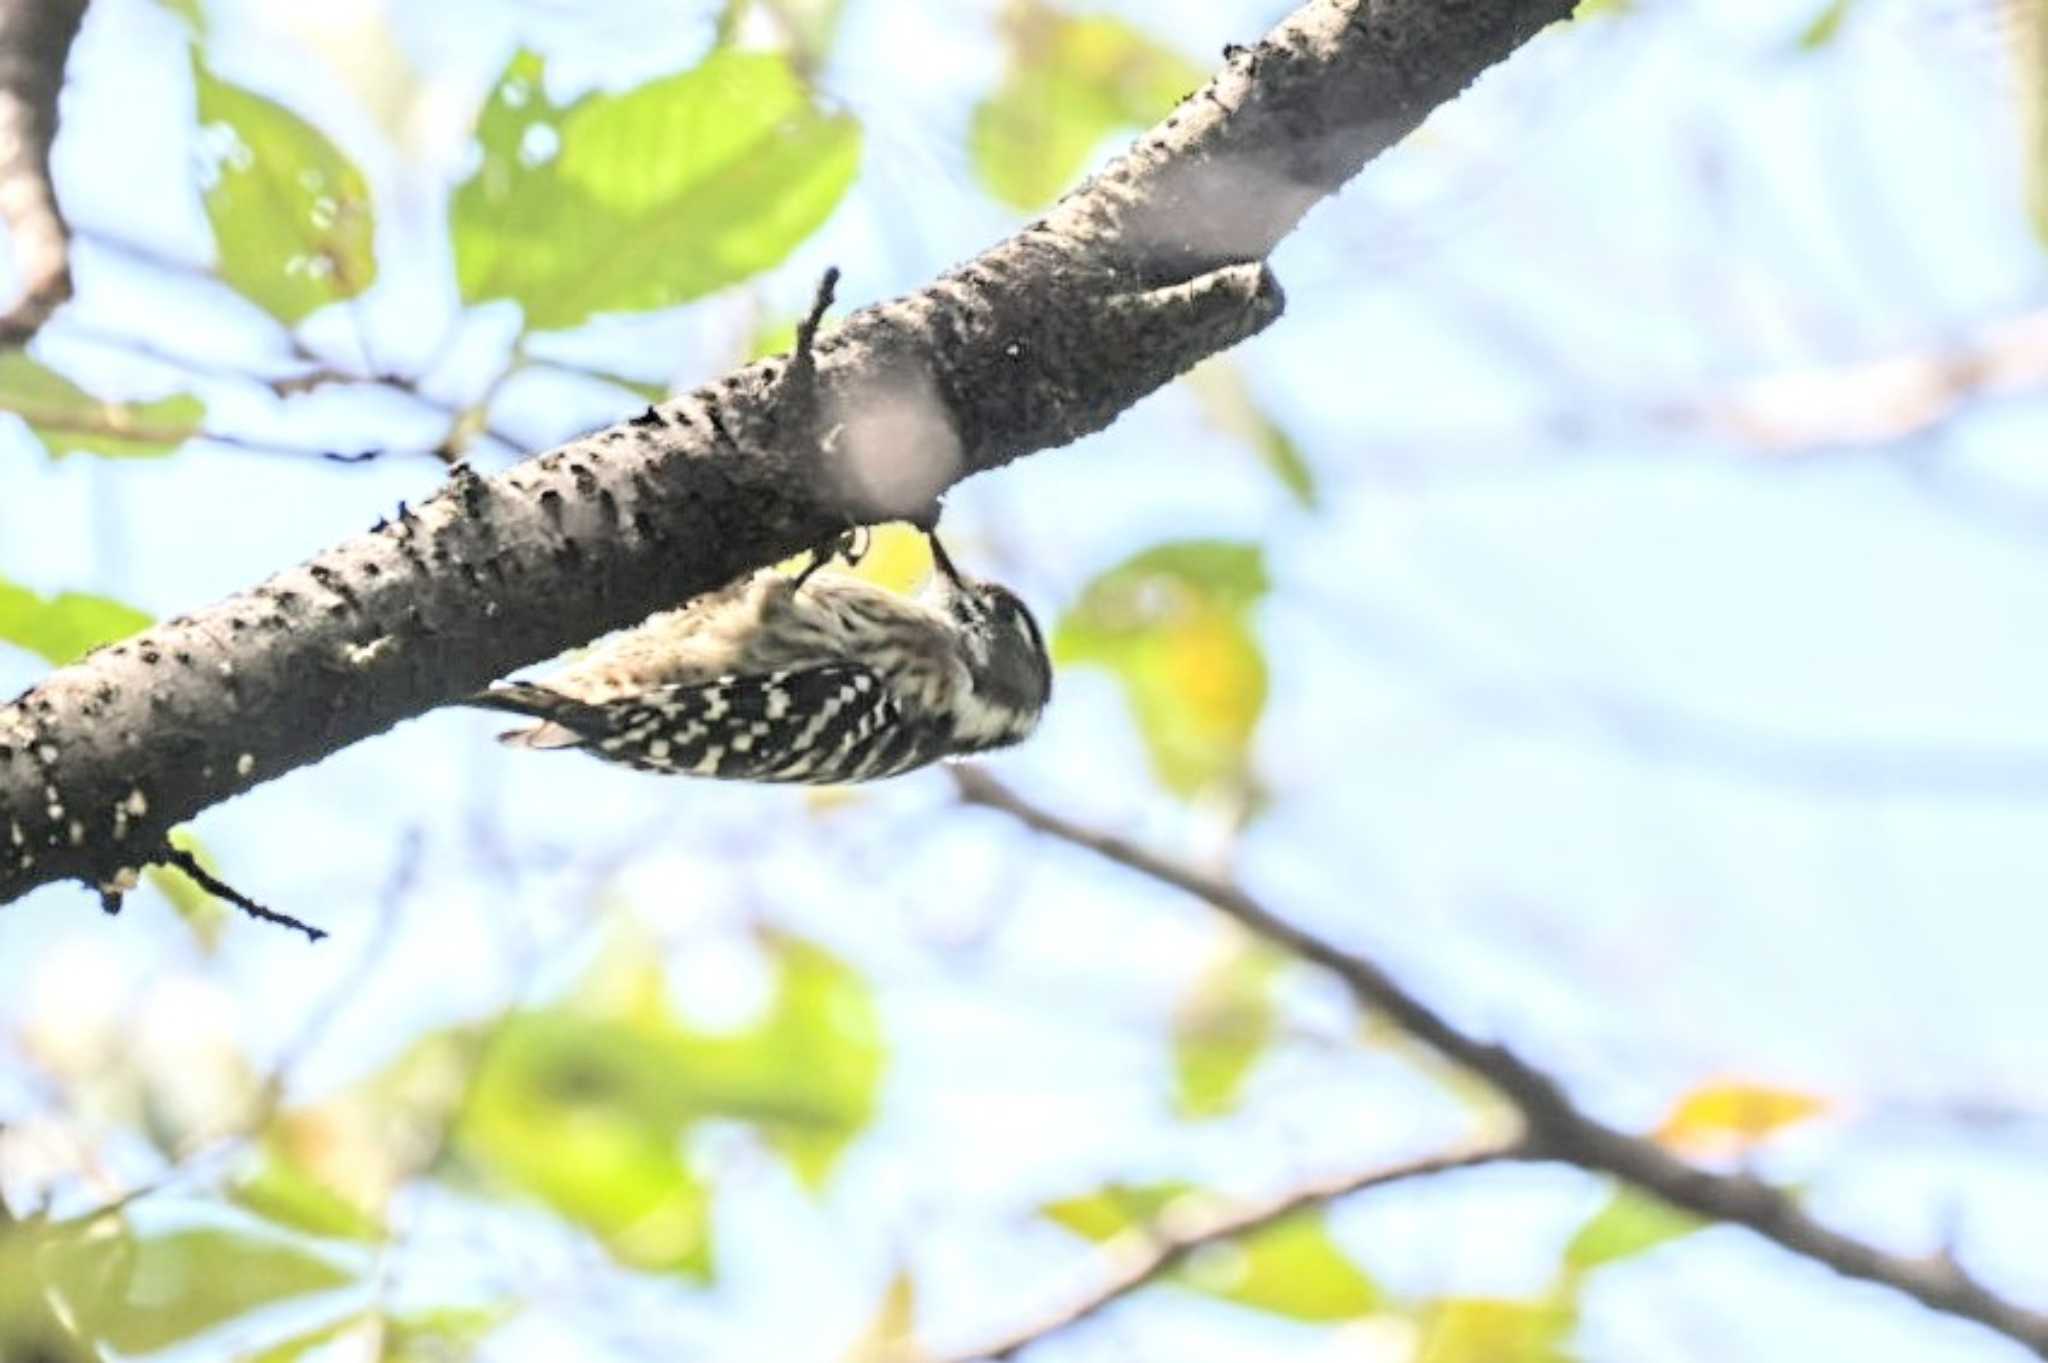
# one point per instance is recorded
(823, 680)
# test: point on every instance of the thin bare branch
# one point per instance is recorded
(1883, 400)
(1556, 1126)
(1146, 1254)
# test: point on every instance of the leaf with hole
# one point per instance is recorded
(291, 213)
(642, 200)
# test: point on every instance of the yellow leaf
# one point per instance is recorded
(1729, 1117)
(896, 556)
(891, 1337)
(1174, 624)
(1494, 1330)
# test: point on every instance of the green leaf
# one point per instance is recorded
(1099, 1216)
(647, 390)
(1495, 1330)
(281, 1190)
(141, 1293)
(2025, 34)
(1226, 401)
(1071, 82)
(1291, 1268)
(1174, 625)
(778, 338)
(305, 1345)
(292, 214)
(31, 1325)
(1630, 1224)
(586, 1105)
(627, 203)
(1603, 9)
(587, 1115)
(1222, 1028)
(1825, 25)
(190, 10)
(68, 419)
(66, 627)
(447, 1335)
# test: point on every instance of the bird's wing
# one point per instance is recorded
(836, 722)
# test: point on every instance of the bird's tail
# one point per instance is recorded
(565, 721)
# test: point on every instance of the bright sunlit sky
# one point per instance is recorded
(1659, 756)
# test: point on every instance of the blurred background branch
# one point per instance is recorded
(1554, 1128)
(35, 44)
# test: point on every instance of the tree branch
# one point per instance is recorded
(1161, 1248)
(1043, 338)
(1879, 401)
(1555, 1127)
(35, 43)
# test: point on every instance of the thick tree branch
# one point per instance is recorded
(1161, 1248)
(1554, 1125)
(35, 43)
(1046, 337)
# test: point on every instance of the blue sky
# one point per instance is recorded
(1664, 757)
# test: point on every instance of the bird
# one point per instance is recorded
(819, 678)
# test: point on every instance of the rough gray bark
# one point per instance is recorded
(1043, 338)
(35, 43)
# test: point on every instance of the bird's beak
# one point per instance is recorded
(942, 562)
